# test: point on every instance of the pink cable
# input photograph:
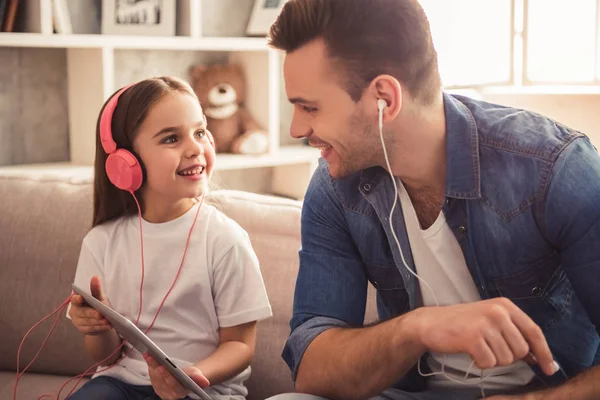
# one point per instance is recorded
(65, 303)
(142, 249)
(19, 375)
(180, 266)
(161, 304)
(88, 372)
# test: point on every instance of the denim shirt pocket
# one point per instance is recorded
(541, 290)
(390, 288)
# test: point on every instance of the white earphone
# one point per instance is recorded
(381, 105)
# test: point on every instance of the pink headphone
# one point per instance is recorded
(122, 167)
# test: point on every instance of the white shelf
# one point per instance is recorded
(132, 42)
(293, 167)
(91, 79)
(287, 155)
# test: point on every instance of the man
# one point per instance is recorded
(488, 270)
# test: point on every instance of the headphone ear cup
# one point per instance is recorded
(124, 170)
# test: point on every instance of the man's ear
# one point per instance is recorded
(387, 88)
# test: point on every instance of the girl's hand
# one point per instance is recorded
(87, 320)
(168, 387)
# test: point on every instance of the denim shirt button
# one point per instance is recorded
(462, 229)
(367, 187)
(536, 291)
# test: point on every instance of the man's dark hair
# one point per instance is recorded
(365, 38)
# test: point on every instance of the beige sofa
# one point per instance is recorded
(42, 223)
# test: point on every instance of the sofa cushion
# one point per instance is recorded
(33, 386)
(42, 223)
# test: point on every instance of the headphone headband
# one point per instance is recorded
(106, 137)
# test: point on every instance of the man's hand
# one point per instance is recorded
(168, 387)
(87, 320)
(493, 332)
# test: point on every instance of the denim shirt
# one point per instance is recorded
(523, 200)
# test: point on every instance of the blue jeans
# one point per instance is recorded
(106, 387)
(394, 394)
(467, 393)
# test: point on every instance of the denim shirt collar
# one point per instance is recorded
(462, 154)
(462, 151)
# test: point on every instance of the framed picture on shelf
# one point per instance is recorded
(263, 15)
(138, 17)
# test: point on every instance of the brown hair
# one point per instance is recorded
(130, 112)
(365, 38)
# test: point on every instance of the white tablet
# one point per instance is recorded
(140, 341)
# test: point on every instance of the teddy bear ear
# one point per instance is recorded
(197, 70)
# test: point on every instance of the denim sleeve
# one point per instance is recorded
(331, 287)
(572, 219)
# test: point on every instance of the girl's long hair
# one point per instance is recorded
(130, 112)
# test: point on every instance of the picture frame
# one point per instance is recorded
(139, 17)
(264, 13)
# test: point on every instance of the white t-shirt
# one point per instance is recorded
(220, 285)
(440, 262)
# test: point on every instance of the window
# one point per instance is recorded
(514, 42)
(598, 61)
(473, 40)
(561, 41)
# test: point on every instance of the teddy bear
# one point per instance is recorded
(221, 89)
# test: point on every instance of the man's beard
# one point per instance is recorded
(364, 147)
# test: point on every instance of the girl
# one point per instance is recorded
(182, 271)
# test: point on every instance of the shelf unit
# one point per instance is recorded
(96, 41)
(91, 80)
(285, 156)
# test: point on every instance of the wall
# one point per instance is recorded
(33, 106)
(33, 100)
